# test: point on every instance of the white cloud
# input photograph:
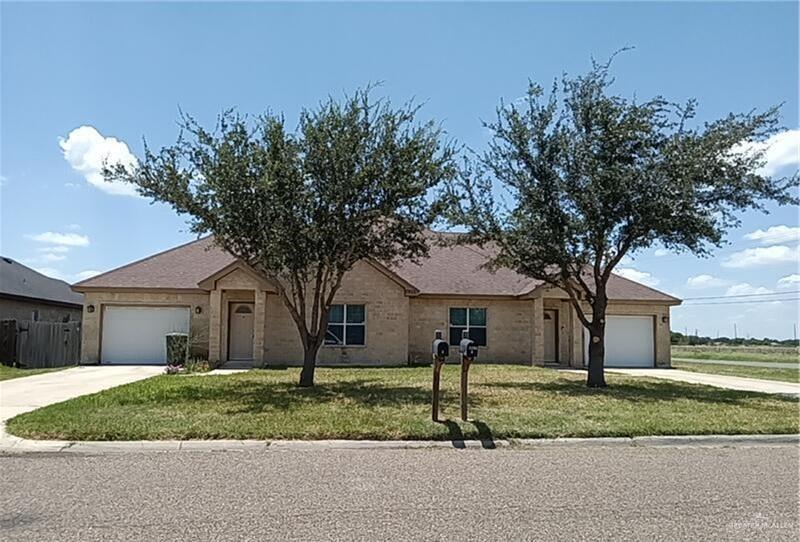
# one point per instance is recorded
(88, 151)
(660, 252)
(50, 272)
(73, 227)
(60, 249)
(752, 257)
(51, 257)
(744, 288)
(775, 235)
(77, 277)
(83, 275)
(638, 276)
(789, 281)
(63, 239)
(705, 281)
(3, 180)
(782, 151)
(46, 257)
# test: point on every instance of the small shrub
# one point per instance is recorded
(198, 366)
(177, 348)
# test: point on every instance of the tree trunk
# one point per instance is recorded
(597, 352)
(309, 364)
(597, 342)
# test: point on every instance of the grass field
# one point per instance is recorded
(506, 401)
(7, 373)
(739, 353)
(763, 373)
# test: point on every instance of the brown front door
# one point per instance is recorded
(240, 333)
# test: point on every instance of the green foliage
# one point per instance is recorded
(577, 178)
(177, 348)
(303, 207)
(394, 403)
(679, 338)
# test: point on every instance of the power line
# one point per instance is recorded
(743, 302)
(741, 295)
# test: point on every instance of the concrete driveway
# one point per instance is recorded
(763, 364)
(719, 381)
(28, 393)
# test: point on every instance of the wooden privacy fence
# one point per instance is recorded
(40, 344)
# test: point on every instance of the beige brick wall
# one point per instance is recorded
(509, 328)
(17, 309)
(661, 333)
(398, 329)
(512, 336)
(387, 324)
(660, 313)
(92, 322)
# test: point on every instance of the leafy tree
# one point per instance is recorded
(302, 208)
(575, 179)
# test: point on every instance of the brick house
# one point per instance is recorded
(382, 315)
(27, 295)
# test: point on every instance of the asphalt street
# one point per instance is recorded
(559, 493)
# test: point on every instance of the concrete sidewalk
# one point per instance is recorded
(28, 393)
(718, 381)
(762, 364)
(10, 444)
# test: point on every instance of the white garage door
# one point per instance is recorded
(629, 342)
(136, 334)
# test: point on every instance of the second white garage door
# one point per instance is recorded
(629, 342)
(136, 334)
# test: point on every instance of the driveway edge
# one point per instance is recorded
(11, 445)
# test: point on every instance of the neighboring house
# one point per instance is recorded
(27, 295)
(381, 316)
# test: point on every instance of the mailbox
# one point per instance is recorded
(440, 348)
(467, 347)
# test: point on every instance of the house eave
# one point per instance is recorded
(138, 289)
(29, 299)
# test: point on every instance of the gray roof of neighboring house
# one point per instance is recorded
(22, 281)
(449, 270)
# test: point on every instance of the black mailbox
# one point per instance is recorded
(440, 348)
(467, 347)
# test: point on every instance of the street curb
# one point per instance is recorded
(11, 445)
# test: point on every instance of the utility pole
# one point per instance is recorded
(794, 331)
(735, 336)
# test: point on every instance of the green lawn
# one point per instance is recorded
(738, 353)
(764, 373)
(394, 404)
(7, 373)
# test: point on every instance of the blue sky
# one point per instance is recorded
(84, 80)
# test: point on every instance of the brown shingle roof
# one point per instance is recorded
(457, 270)
(181, 267)
(449, 270)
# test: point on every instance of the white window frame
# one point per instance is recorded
(345, 324)
(468, 326)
